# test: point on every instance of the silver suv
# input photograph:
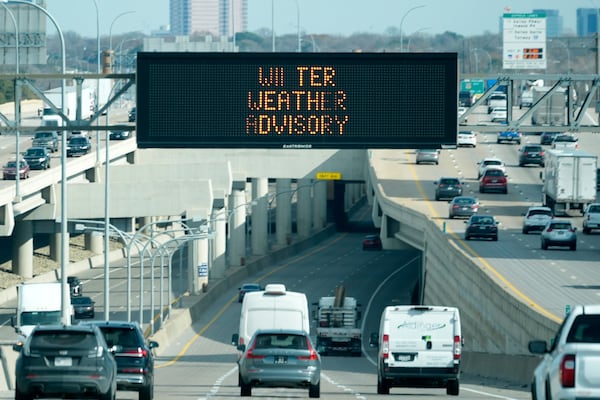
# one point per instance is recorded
(591, 218)
(536, 218)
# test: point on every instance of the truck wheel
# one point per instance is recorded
(452, 387)
(382, 386)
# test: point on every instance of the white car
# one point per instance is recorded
(591, 218)
(466, 138)
(499, 114)
(536, 218)
(490, 163)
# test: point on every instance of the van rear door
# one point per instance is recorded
(423, 337)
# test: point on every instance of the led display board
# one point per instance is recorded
(296, 100)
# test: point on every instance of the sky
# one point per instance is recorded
(343, 17)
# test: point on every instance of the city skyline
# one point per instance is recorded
(336, 17)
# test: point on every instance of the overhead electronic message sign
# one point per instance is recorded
(296, 100)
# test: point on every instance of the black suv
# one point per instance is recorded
(135, 361)
(65, 361)
(531, 154)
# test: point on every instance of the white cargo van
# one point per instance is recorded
(419, 346)
(272, 308)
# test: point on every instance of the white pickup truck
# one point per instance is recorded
(570, 368)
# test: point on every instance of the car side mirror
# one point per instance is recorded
(241, 347)
(234, 339)
(17, 347)
(374, 339)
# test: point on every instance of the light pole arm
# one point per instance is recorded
(402, 22)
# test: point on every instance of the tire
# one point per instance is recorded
(110, 395)
(525, 231)
(314, 391)
(586, 230)
(467, 237)
(146, 393)
(481, 189)
(533, 391)
(573, 246)
(21, 396)
(544, 245)
(505, 191)
(245, 389)
(382, 386)
(452, 387)
(495, 238)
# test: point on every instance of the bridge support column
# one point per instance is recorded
(219, 217)
(260, 190)
(199, 268)
(23, 249)
(94, 242)
(56, 247)
(283, 212)
(304, 209)
(237, 228)
(319, 204)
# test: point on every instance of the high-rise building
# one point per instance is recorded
(587, 21)
(554, 22)
(216, 17)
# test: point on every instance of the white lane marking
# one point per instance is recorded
(346, 389)
(498, 396)
(214, 390)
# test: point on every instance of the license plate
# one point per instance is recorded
(494, 180)
(404, 357)
(280, 360)
(63, 361)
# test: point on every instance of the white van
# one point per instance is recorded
(419, 346)
(272, 308)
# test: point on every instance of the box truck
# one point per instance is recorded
(552, 110)
(569, 180)
(37, 304)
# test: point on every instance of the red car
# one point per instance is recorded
(10, 170)
(372, 242)
(493, 179)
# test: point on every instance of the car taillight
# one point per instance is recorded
(455, 206)
(567, 371)
(250, 353)
(313, 353)
(549, 230)
(571, 230)
(385, 347)
(140, 352)
(457, 347)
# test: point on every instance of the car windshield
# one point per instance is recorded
(80, 300)
(43, 134)
(488, 163)
(540, 212)
(59, 339)
(281, 341)
(482, 220)
(565, 138)
(561, 225)
(447, 181)
(594, 209)
(35, 152)
(122, 336)
(464, 200)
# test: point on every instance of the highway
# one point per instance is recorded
(546, 280)
(200, 362)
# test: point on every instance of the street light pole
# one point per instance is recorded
(402, 22)
(17, 101)
(98, 70)
(65, 301)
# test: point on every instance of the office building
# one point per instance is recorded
(587, 21)
(215, 17)
(554, 22)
